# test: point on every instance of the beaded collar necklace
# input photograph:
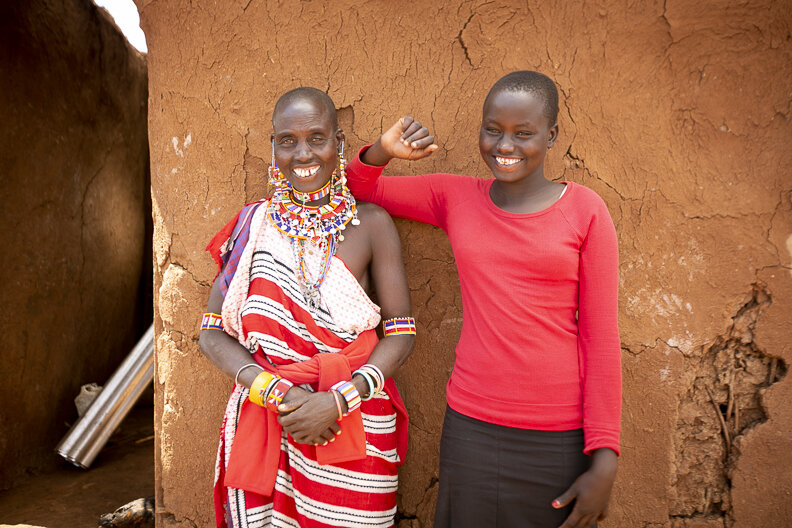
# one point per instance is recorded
(311, 196)
(322, 224)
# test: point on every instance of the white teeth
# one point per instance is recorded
(306, 173)
(506, 161)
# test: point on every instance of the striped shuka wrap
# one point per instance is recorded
(262, 477)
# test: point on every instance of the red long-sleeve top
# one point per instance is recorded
(540, 345)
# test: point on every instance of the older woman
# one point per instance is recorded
(314, 428)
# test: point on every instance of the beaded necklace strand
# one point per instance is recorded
(312, 196)
(303, 224)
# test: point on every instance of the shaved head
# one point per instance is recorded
(531, 82)
(306, 93)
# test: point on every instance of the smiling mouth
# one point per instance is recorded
(506, 162)
(306, 172)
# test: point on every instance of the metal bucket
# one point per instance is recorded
(90, 433)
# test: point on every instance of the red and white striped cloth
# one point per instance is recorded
(266, 311)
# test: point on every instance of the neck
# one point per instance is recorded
(522, 190)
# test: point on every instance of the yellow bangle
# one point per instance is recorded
(259, 387)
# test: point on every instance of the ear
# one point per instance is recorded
(340, 137)
(552, 135)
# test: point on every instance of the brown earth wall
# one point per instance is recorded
(677, 113)
(74, 162)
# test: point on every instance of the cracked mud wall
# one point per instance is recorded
(677, 114)
(75, 275)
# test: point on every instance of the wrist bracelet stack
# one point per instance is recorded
(268, 390)
(374, 379)
(350, 394)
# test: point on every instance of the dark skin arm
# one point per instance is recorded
(222, 349)
(590, 491)
(372, 252)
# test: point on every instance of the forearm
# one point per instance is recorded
(228, 355)
(389, 354)
(604, 461)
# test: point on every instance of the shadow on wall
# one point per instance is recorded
(76, 211)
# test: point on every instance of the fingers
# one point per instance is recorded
(326, 437)
(405, 122)
(417, 154)
(294, 400)
(413, 129)
(416, 142)
(577, 520)
(565, 498)
(336, 428)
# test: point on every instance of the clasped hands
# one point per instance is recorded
(310, 417)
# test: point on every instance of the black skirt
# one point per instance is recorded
(496, 476)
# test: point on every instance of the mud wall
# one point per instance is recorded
(74, 158)
(678, 114)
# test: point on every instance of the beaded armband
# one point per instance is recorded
(399, 326)
(275, 396)
(350, 394)
(212, 321)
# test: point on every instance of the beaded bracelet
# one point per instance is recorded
(372, 388)
(260, 387)
(399, 326)
(212, 321)
(279, 390)
(350, 394)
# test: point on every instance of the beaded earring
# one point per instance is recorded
(341, 164)
(276, 179)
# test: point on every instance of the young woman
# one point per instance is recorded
(531, 432)
(290, 320)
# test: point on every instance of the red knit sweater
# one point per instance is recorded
(540, 342)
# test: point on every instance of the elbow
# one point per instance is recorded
(205, 343)
(409, 344)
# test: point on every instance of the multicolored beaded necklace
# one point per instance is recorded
(304, 224)
(312, 196)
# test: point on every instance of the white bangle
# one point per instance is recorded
(243, 367)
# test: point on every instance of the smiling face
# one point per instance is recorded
(515, 135)
(306, 143)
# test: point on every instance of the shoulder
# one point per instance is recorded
(583, 202)
(373, 215)
(584, 207)
(584, 195)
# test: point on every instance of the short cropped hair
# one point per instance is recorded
(531, 82)
(311, 94)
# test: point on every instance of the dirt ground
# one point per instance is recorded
(75, 498)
